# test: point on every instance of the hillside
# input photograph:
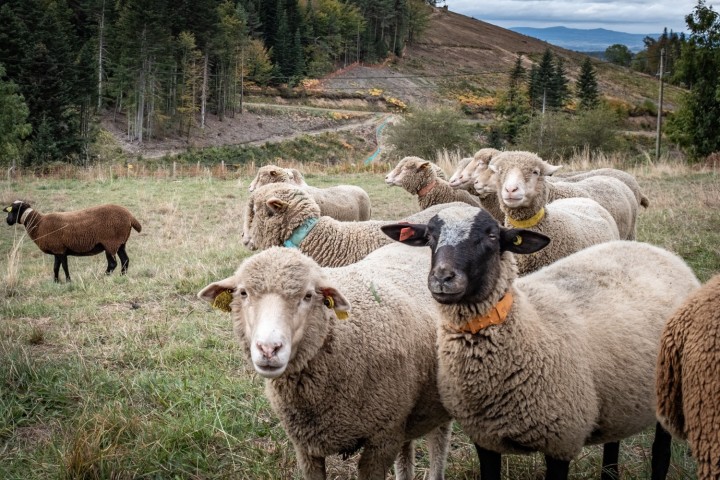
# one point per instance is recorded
(456, 56)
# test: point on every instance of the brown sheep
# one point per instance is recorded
(79, 233)
(688, 377)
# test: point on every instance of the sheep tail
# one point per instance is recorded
(644, 201)
(135, 224)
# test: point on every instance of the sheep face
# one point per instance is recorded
(462, 176)
(280, 301)
(466, 244)
(520, 177)
(277, 210)
(15, 212)
(271, 174)
(412, 173)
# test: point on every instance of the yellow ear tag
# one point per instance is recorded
(222, 301)
(330, 303)
(518, 240)
(8, 209)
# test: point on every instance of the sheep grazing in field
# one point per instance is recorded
(418, 177)
(522, 172)
(558, 359)
(342, 383)
(288, 216)
(274, 174)
(571, 223)
(688, 381)
(105, 228)
(342, 202)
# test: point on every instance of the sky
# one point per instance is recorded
(643, 16)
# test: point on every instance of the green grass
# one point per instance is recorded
(132, 376)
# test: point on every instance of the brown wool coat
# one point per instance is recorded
(688, 377)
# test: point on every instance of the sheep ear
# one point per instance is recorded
(277, 205)
(336, 301)
(550, 169)
(493, 167)
(219, 294)
(518, 240)
(410, 234)
(8, 209)
(424, 166)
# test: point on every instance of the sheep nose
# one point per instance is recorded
(269, 350)
(444, 274)
(511, 188)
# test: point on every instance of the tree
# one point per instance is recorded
(513, 107)
(548, 83)
(696, 125)
(587, 86)
(13, 120)
(618, 54)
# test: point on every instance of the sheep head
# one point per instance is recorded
(15, 211)
(281, 305)
(271, 174)
(521, 178)
(412, 173)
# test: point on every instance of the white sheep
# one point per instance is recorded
(467, 169)
(418, 177)
(558, 359)
(341, 202)
(625, 177)
(288, 216)
(571, 223)
(522, 172)
(104, 228)
(688, 377)
(339, 384)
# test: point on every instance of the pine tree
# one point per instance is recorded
(587, 86)
(514, 108)
(13, 121)
(559, 86)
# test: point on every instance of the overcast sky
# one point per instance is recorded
(631, 16)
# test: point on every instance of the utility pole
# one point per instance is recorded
(660, 106)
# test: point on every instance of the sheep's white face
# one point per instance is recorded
(518, 183)
(462, 176)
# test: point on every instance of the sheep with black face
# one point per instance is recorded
(558, 359)
(105, 228)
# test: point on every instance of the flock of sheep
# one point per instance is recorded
(534, 320)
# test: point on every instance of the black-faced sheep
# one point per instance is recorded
(338, 385)
(288, 216)
(688, 381)
(558, 359)
(105, 228)
(418, 177)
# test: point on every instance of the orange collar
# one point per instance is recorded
(495, 316)
(426, 189)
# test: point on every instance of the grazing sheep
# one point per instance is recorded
(688, 381)
(274, 174)
(418, 177)
(367, 381)
(522, 172)
(287, 215)
(558, 359)
(80, 233)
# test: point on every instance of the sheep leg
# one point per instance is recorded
(404, 469)
(438, 442)
(611, 454)
(61, 260)
(556, 469)
(124, 259)
(112, 263)
(313, 468)
(377, 458)
(660, 463)
(490, 463)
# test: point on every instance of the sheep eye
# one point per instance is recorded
(308, 297)
(242, 293)
(274, 174)
(536, 173)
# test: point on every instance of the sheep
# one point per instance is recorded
(688, 384)
(522, 172)
(418, 177)
(341, 202)
(274, 174)
(625, 177)
(287, 215)
(79, 233)
(368, 381)
(571, 223)
(467, 169)
(555, 360)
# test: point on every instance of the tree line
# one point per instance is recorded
(162, 65)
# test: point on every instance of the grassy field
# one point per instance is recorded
(123, 377)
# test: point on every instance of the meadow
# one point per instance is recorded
(120, 377)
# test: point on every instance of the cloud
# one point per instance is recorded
(642, 16)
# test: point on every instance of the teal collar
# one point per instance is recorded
(300, 233)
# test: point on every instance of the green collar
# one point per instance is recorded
(300, 233)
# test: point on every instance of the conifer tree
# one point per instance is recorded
(587, 86)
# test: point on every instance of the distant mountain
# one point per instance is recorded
(595, 40)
